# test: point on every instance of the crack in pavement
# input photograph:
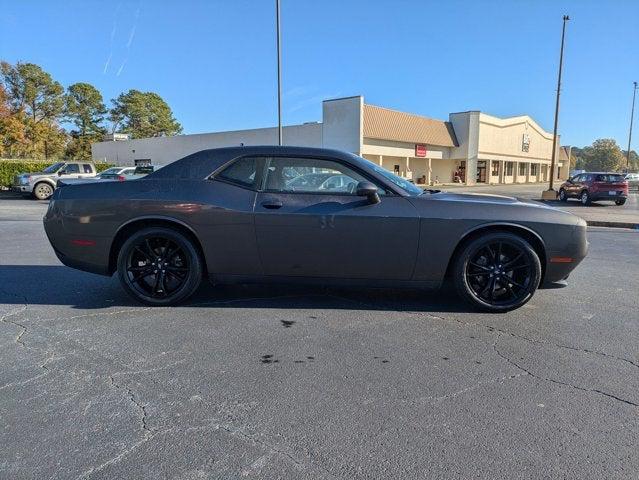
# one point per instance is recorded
(559, 382)
(492, 329)
(142, 408)
(231, 429)
(23, 329)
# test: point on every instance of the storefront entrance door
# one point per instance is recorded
(481, 171)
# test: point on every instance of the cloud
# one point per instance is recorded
(313, 100)
(114, 30)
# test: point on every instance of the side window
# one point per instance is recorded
(311, 175)
(87, 168)
(242, 172)
(72, 168)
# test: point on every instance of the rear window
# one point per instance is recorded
(609, 178)
(87, 168)
(242, 172)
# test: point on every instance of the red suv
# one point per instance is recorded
(590, 187)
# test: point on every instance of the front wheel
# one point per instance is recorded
(42, 191)
(562, 195)
(497, 272)
(585, 198)
(621, 201)
(159, 266)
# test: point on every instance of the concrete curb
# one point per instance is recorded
(599, 223)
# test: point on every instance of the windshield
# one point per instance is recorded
(53, 168)
(110, 171)
(400, 182)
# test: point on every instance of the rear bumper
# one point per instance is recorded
(606, 196)
(91, 256)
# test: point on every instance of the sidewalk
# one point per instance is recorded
(600, 214)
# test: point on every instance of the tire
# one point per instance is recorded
(562, 195)
(585, 198)
(160, 283)
(477, 283)
(621, 201)
(42, 191)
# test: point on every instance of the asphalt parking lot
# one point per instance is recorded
(313, 383)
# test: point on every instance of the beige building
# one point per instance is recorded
(471, 147)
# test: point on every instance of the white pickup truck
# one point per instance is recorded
(42, 184)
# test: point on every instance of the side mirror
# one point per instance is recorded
(61, 172)
(368, 190)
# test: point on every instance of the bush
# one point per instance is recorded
(10, 168)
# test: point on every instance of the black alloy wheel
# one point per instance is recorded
(159, 266)
(497, 272)
(620, 201)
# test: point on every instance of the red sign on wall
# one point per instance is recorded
(420, 150)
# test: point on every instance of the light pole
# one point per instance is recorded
(279, 76)
(550, 193)
(632, 114)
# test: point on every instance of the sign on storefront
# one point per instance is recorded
(420, 150)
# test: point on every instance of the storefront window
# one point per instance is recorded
(495, 169)
(533, 169)
(509, 169)
(522, 169)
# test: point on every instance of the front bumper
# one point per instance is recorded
(22, 188)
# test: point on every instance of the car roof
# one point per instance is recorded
(203, 163)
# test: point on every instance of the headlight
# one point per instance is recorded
(25, 180)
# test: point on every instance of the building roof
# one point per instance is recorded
(563, 154)
(387, 124)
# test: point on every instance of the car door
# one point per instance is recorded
(309, 229)
(71, 170)
(573, 188)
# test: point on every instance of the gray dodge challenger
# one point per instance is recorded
(293, 214)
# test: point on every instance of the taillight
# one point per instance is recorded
(121, 178)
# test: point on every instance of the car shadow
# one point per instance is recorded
(57, 285)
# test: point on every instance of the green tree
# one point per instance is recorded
(84, 107)
(33, 91)
(143, 114)
(604, 155)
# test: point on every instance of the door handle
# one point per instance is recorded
(272, 204)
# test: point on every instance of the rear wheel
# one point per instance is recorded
(585, 198)
(621, 201)
(159, 266)
(497, 272)
(42, 191)
(562, 195)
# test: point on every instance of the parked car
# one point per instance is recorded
(633, 181)
(42, 184)
(110, 174)
(595, 186)
(119, 174)
(231, 215)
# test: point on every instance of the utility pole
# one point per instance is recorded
(279, 76)
(550, 194)
(632, 114)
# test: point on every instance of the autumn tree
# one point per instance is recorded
(36, 104)
(603, 156)
(143, 114)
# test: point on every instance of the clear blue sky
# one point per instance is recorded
(214, 61)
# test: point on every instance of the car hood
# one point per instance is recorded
(35, 174)
(481, 198)
(491, 207)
